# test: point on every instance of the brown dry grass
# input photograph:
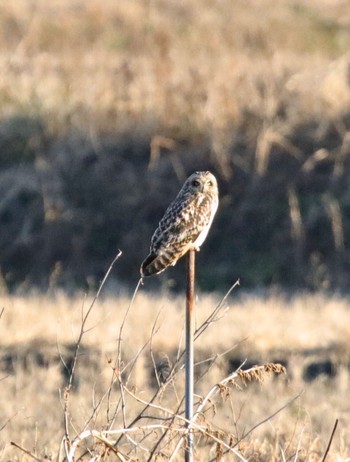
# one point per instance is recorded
(195, 68)
(261, 319)
(261, 327)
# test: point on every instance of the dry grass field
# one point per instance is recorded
(177, 68)
(39, 333)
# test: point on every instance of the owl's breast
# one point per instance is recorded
(201, 237)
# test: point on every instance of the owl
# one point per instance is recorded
(185, 224)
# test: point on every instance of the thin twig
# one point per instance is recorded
(194, 426)
(299, 445)
(330, 440)
(172, 420)
(215, 390)
(179, 355)
(67, 441)
(30, 454)
(214, 315)
(85, 318)
(271, 416)
(119, 358)
(9, 419)
(119, 370)
(263, 421)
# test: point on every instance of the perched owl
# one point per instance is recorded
(185, 224)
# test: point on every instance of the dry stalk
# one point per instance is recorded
(217, 313)
(102, 437)
(330, 440)
(118, 368)
(172, 425)
(258, 372)
(25, 451)
(255, 372)
(199, 428)
(213, 317)
(66, 394)
(299, 445)
(10, 418)
(123, 385)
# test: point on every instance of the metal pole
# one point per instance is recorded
(190, 305)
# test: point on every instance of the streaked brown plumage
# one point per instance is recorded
(185, 224)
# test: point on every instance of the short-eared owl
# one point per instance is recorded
(185, 224)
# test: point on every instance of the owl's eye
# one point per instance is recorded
(195, 183)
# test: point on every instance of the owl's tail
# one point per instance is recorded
(155, 264)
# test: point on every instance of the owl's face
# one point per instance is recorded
(201, 182)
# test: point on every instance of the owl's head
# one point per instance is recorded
(201, 182)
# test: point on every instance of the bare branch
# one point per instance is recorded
(214, 316)
(271, 416)
(75, 354)
(30, 454)
(330, 440)
(249, 374)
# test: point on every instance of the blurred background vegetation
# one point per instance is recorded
(106, 107)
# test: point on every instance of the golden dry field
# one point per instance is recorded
(174, 68)
(294, 413)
